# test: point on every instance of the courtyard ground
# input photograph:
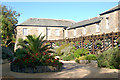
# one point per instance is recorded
(70, 70)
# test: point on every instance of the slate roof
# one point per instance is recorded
(85, 22)
(111, 10)
(46, 22)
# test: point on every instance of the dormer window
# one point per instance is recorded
(97, 27)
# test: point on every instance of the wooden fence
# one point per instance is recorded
(108, 40)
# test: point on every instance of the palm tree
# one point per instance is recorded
(35, 45)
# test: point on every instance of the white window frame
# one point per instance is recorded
(66, 33)
(107, 23)
(97, 27)
(48, 32)
(57, 32)
(25, 31)
(74, 32)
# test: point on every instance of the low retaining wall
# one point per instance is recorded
(38, 69)
(92, 62)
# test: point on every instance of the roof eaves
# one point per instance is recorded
(111, 10)
(100, 18)
(84, 25)
(40, 26)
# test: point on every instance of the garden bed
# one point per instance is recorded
(37, 69)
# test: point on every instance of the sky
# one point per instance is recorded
(76, 11)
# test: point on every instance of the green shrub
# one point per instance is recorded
(98, 43)
(35, 53)
(63, 47)
(77, 61)
(57, 43)
(91, 57)
(81, 52)
(77, 43)
(68, 58)
(20, 53)
(82, 58)
(7, 53)
(86, 42)
(109, 58)
(118, 40)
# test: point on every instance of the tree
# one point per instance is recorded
(34, 44)
(8, 26)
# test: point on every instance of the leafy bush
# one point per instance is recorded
(98, 43)
(68, 58)
(34, 53)
(57, 44)
(77, 43)
(77, 60)
(109, 58)
(68, 53)
(7, 54)
(86, 42)
(20, 53)
(91, 57)
(63, 47)
(81, 52)
(82, 58)
(118, 40)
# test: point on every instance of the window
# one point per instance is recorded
(57, 32)
(48, 32)
(84, 31)
(107, 23)
(25, 32)
(97, 28)
(74, 32)
(66, 33)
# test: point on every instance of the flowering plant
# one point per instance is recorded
(34, 53)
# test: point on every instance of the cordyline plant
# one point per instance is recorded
(35, 45)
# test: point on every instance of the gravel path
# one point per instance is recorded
(70, 70)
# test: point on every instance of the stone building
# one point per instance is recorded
(106, 22)
(55, 29)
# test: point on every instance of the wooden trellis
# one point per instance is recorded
(108, 41)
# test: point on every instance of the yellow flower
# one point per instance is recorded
(6, 45)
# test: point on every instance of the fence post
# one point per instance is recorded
(93, 44)
(112, 39)
(104, 41)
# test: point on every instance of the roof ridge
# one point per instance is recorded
(88, 19)
(54, 19)
(117, 6)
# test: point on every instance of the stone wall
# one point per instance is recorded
(53, 35)
(112, 22)
(38, 30)
(119, 18)
(71, 33)
(113, 25)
